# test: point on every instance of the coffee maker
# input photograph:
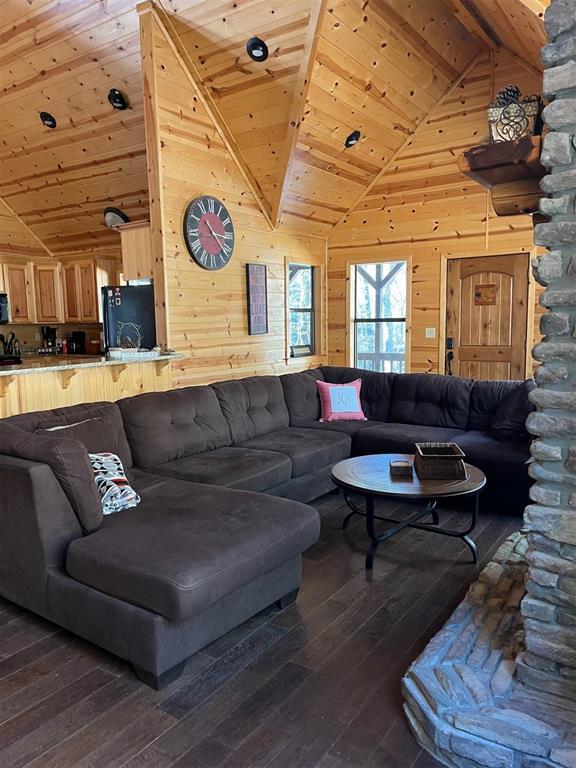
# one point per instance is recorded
(48, 346)
(77, 343)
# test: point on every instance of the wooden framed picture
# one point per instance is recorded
(257, 290)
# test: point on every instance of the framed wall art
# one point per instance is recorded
(257, 290)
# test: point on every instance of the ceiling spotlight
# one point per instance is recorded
(353, 139)
(257, 49)
(48, 120)
(117, 99)
(113, 217)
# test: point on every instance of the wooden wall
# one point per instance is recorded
(206, 311)
(425, 211)
(15, 237)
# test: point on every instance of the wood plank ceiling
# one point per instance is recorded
(377, 66)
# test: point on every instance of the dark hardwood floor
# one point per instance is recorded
(317, 684)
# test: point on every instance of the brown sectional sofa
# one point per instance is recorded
(222, 472)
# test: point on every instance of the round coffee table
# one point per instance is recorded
(369, 476)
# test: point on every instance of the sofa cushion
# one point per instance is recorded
(249, 470)
(485, 399)
(68, 460)
(400, 438)
(347, 427)
(187, 545)
(253, 406)
(492, 456)
(504, 465)
(164, 426)
(105, 434)
(431, 400)
(508, 424)
(309, 449)
(301, 396)
(377, 388)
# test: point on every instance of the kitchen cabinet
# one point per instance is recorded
(80, 291)
(82, 281)
(70, 286)
(48, 293)
(18, 281)
(88, 292)
(136, 250)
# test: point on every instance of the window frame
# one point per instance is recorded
(355, 321)
(311, 311)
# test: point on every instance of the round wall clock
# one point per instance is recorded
(208, 232)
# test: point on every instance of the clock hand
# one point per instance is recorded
(214, 234)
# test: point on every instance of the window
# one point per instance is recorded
(301, 309)
(380, 316)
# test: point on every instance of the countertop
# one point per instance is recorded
(42, 364)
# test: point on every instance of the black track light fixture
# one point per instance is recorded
(48, 120)
(117, 99)
(353, 139)
(257, 49)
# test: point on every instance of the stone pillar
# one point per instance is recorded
(549, 608)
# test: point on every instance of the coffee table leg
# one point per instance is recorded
(471, 543)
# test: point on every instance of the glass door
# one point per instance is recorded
(380, 316)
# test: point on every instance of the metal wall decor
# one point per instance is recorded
(257, 289)
(512, 117)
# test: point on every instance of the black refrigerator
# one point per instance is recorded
(129, 316)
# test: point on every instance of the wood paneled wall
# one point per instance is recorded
(425, 211)
(15, 237)
(206, 311)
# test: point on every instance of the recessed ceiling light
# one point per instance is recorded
(117, 99)
(113, 217)
(257, 49)
(48, 120)
(353, 139)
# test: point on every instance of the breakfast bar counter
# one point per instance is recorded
(41, 382)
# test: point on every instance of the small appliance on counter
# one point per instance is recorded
(3, 308)
(49, 340)
(129, 319)
(76, 343)
(9, 349)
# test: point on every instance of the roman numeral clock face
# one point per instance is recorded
(208, 232)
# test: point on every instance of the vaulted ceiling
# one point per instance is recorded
(377, 66)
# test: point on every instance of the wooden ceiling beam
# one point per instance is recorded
(410, 138)
(179, 49)
(317, 15)
(472, 20)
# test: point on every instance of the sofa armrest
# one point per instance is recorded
(36, 525)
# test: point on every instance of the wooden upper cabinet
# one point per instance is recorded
(19, 287)
(136, 250)
(80, 291)
(47, 289)
(70, 285)
(87, 292)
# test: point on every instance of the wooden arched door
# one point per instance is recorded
(486, 316)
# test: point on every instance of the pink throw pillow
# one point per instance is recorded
(341, 402)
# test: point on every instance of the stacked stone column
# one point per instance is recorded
(549, 608)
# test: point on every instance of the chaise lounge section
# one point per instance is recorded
(223, 472)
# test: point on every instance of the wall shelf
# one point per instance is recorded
(511, 170)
